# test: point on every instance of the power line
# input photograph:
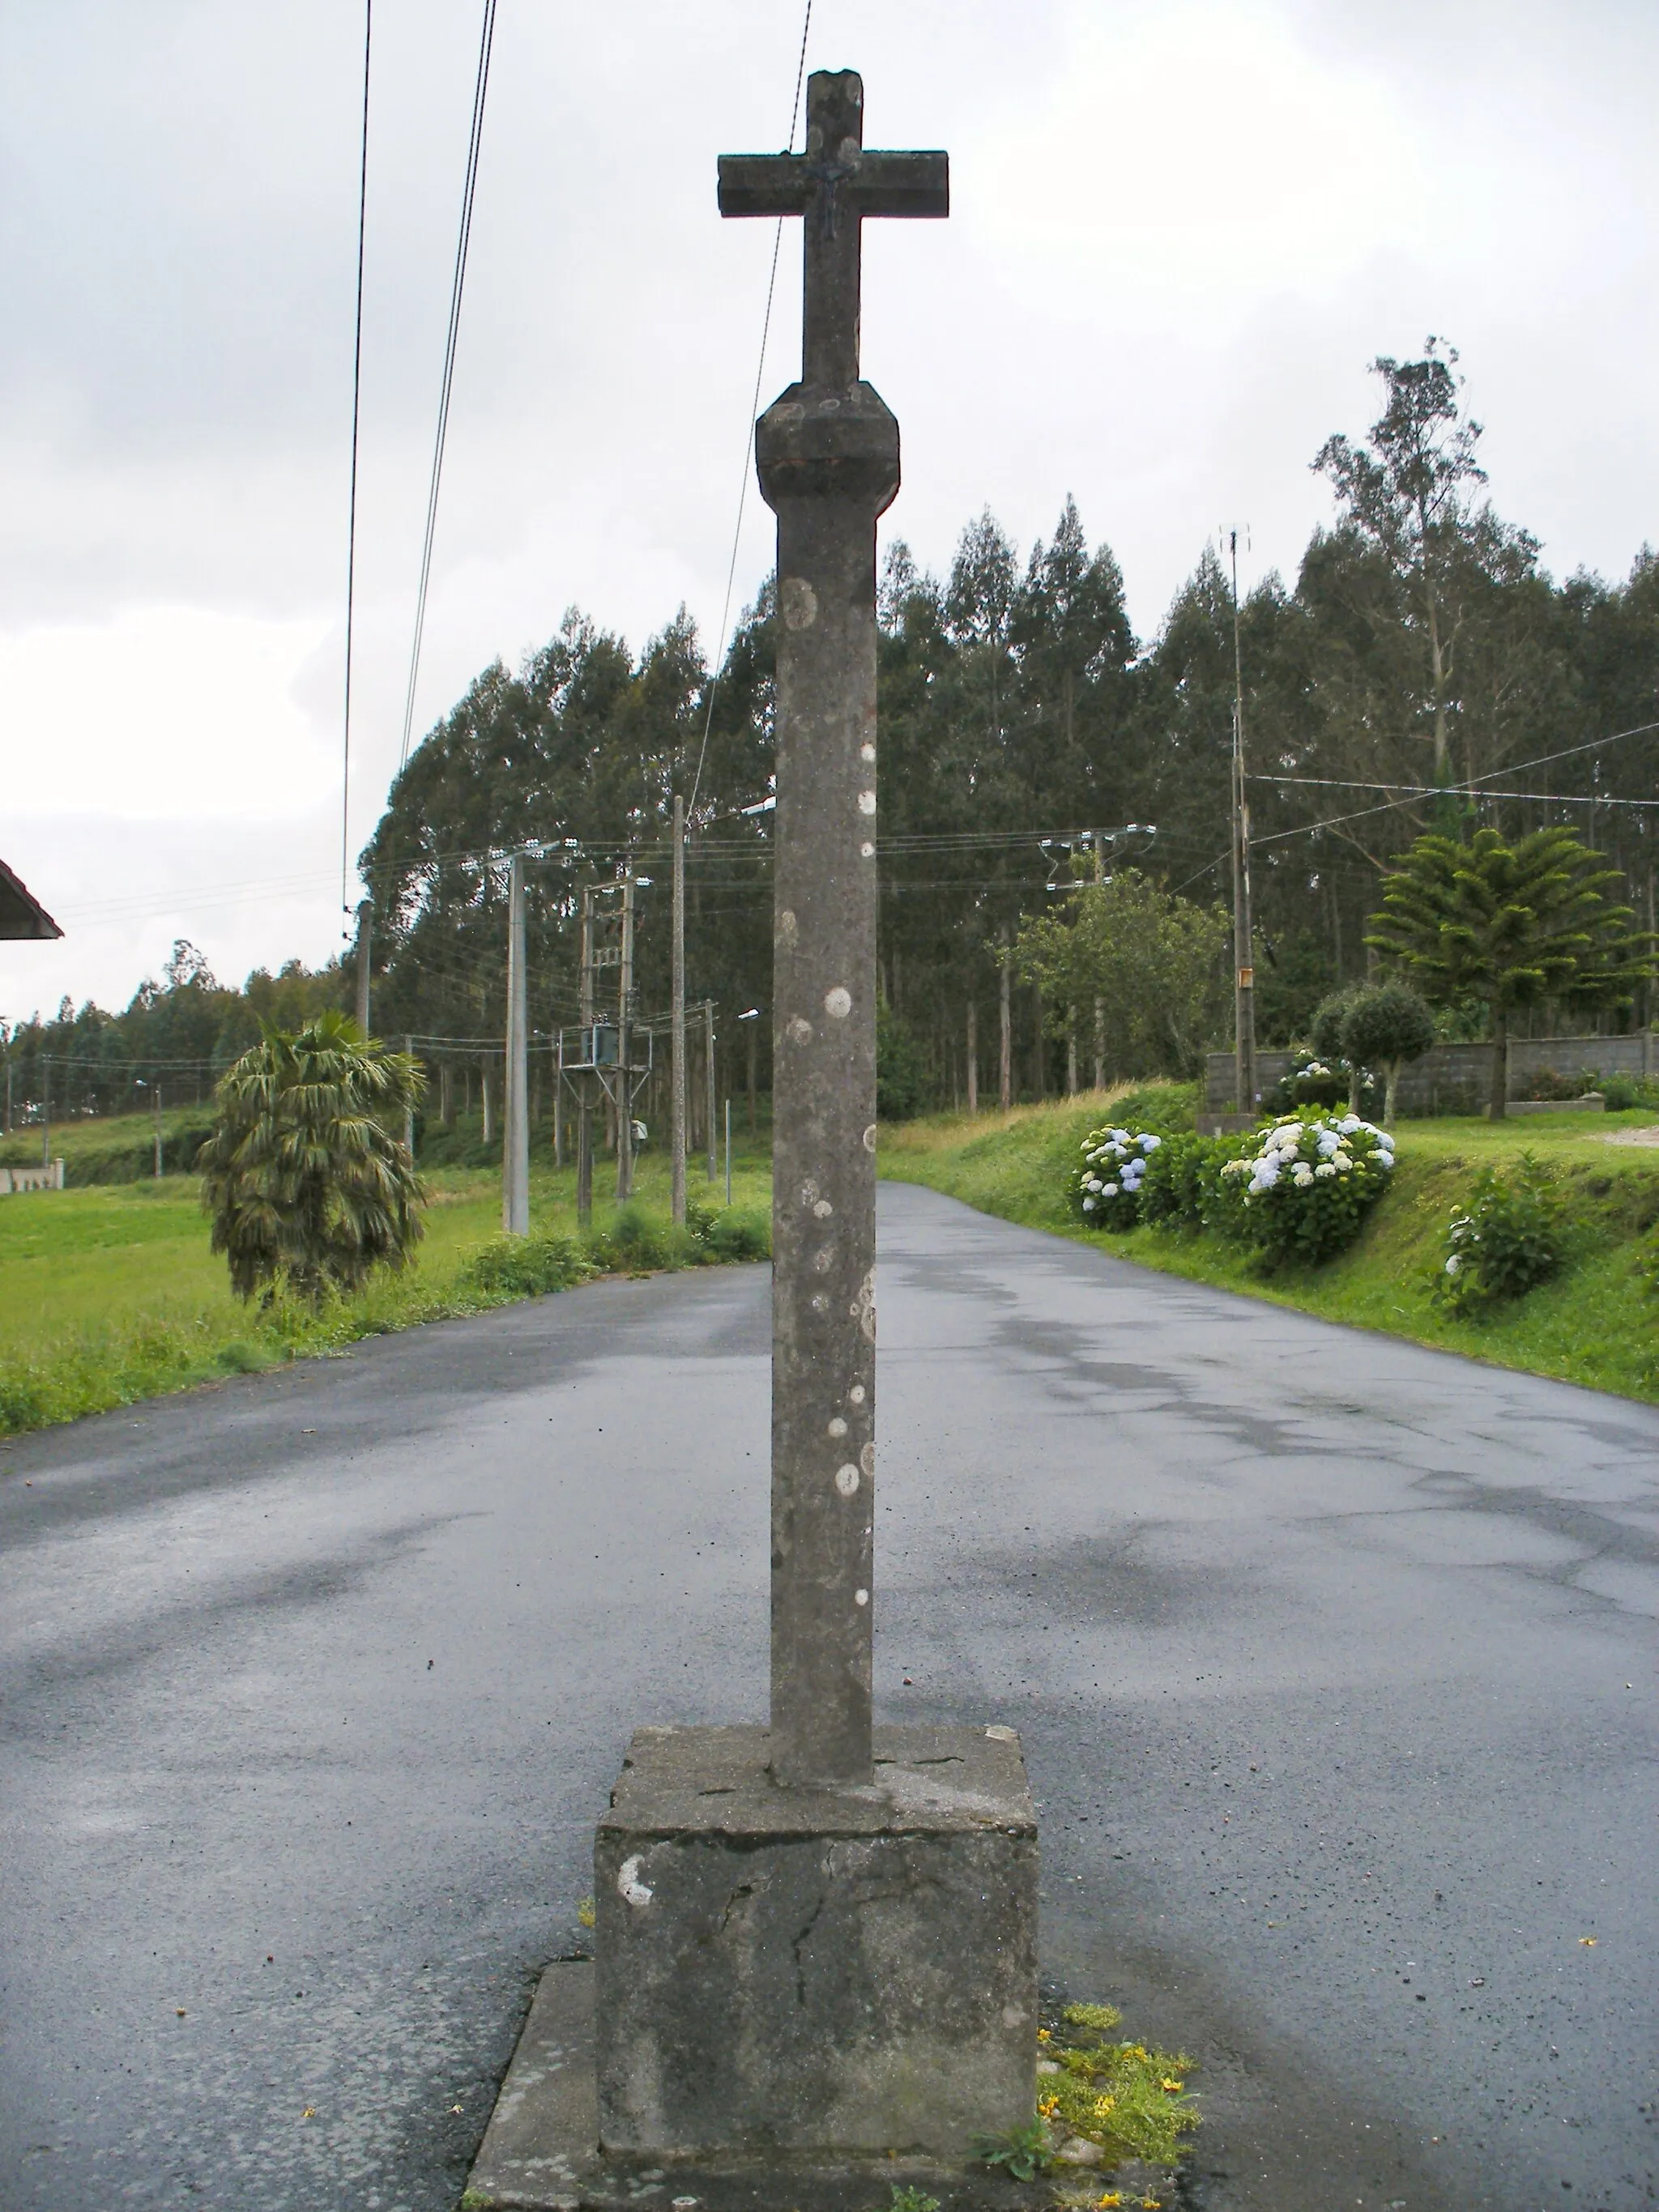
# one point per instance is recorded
(1457, 791)
(351, 521)
(749, 436)
(480, 89)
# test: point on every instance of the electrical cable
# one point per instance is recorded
(480, 91)
(351, 519)
(749, 436)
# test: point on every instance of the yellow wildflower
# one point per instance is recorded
(1047, 2107)
(1170, 2083)
(1103, 2106)
(1112, 2196)
(1044, 2035)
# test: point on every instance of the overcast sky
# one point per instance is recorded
(1179, 234)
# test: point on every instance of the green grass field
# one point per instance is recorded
(1596, 1323)
(109, 1293)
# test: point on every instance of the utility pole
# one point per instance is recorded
(584, 1095)
(624, 1048)
(409, 1104)
(46, 1111)
(365, 944)
(515, 1146)
(1100, 1003)
(677, 1033)
(158, 1133)
(708, 1079)
(1243, 933)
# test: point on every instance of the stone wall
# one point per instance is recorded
(41, 1178)
(1456, 1079)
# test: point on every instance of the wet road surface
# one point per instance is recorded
(1333, 1660)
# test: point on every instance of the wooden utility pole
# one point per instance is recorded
(1005, 1016)
(1243, 935)
(676, 1039)
(515, 1146)
(973, 1057)
(1100, 1003)
(409, 1104)
(365, 944)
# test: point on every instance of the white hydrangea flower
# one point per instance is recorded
(1150, 1144)
(1342, 1162)
(1453, 1264)
(1303, 1174)
(1088, 1206)
(1108, 1190)
(1325, 1168)
(1091, 1182)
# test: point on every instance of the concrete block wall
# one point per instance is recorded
(41, 1178)
(1456, 1079)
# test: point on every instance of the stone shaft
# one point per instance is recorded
(828, 458)
(824, 1216)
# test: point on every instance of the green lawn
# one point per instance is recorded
(1596, 1323)
(109, 1293)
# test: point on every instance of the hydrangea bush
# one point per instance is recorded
(1303, 1193)
(1510, 1237)
(1179, 1188)
(1106, 1187)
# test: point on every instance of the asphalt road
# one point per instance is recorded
(1333, 1660)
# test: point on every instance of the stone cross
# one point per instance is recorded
(827, 454)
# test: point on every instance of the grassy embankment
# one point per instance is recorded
(109, 1294)
(1596, 1323)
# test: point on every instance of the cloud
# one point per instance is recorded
(1179, 235)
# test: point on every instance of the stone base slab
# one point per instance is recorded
(819, 1972)
(540, 2152)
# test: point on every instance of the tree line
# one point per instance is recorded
(1422, 672)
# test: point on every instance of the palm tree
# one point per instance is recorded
(302, 1176)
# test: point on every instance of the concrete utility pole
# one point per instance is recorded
(677, 1034)
(158, 1133)
(708, 1079)
(46, 1111)
(1243, 933)
(584, 1097)
(624, 1048)
(365, 945)
(515, 1146)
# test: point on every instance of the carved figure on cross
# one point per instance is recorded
(835, 183)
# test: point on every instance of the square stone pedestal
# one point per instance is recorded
(823, 1971)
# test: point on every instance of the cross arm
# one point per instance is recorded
(876, 184)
